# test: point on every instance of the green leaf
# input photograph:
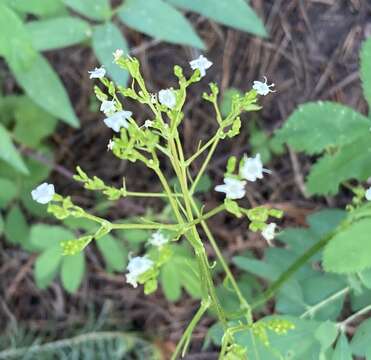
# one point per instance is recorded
(342, 349)
(361, 341)
(314, 127)
(106, 39)
(9, 153)
(258, 267)
(352, 244)
(365, 277)
(32, 123)
(181, 271)
(43, 86)
(46, 266)
(113, 251)
(44, 236)
(365, 69)
(93, 9)
(72, 271)
(37, 7)
(31, 70)
(234, 13)
(7, 193)
(171, 284)
(326, 334)
(16, 229)
(58, 32)
(351, 161)
(158, 19)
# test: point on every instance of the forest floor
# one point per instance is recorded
(311, 54)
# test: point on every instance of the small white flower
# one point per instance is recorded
(262, 88)
(43, 193)
(368, 194)
(167, 98)
(233, 188)
(269, 232)
(137, 266)
(110, 145)
(252, 168)
(108, 106)
(201, 63)
(148, 123)
(97, 73)
(117, 54)
(118, 120)
(158, 239)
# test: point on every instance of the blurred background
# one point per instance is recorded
(50, 123)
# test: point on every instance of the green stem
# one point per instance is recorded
(152, 195)
(201, 150)
(186, 337)
(295, 266)
(144, 226)
(354, 316)
(243, 303)
(313, 309)
(204, 165)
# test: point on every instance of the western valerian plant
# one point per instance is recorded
(160, 138)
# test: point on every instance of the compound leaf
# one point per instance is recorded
(93, 9)
(72, 271)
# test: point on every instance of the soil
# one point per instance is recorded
(312, 54)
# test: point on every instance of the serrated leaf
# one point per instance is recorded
(160, 20)
(72, 271)
(361, 341)
(43, 86)
(314, 127)
(234, 13)
(352, 244)
(16, 229)
(342, 349)
(351, 161)
(93, 9)
(113, 251)
(44, 236)
(58, 32)
(9, 153)
(8, 192)
(106, 39)
(46, 266)
(37, 7)
(32, 123)
(365, 70)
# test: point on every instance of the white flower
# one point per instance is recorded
(201, 63)
(117, 54)
(118, 120)
(252, 168)
(110, 145)
(97, 73)
(43, 193)
(137, 266)
(233, 188)
(368, 194)
(262, 88)
(269, 232)
(108, 106)
(167, 98)
(148, 123)
(158, 239)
